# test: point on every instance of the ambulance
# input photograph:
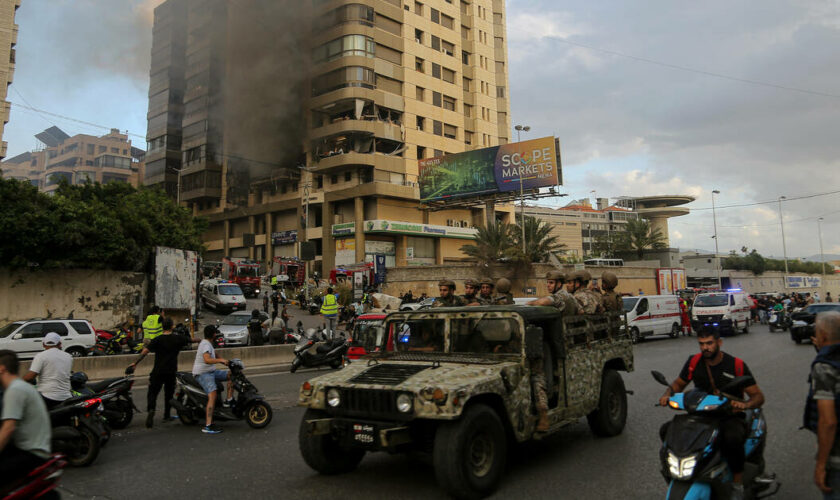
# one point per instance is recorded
(726, 311)
(652, 315)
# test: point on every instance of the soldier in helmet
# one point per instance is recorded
(610, 299)
(485, 296)
(447, 295)
(470, 291)
(503, 296)
(570, 282)
(589, 301)
(558, 296)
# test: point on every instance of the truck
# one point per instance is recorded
(459, 386)
(243, 272)
(289, 271)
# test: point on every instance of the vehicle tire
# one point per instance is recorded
(295, 365)
(609, 418)
(336, 363)
(126, 413)
(258, 414)
(746, 326)
(77, 352)
(675, 331)
(323, 453)
(469, 454)
(87, 450)
(635, 336)
(187, 417)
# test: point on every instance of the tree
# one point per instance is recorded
(493, 243)
(540, 244)
(638, 237)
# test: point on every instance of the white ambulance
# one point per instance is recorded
(652, 315)
(726, 311)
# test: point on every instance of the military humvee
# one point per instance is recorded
(458, 385)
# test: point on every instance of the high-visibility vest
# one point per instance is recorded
(274, 280)
(329, 307)
(152, 327)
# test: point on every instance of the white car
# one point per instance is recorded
(222, 296)
(235, 328)
(414, 306)
(26, 337)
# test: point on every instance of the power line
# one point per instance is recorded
(741, 226)
(789, 198)
(699, 71)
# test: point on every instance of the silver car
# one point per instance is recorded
(235, 328)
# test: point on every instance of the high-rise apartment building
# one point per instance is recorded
(306, 124)
(8, 40)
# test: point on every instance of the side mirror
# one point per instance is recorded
(534, 342)
(17, 336)
(659, 378)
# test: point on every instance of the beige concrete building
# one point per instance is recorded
(78, 159)
(387, 82)
(8, 40)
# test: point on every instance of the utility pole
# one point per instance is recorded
(717, 251)
(307, 184)
(784, 245)
(822, 256)
(520, 128)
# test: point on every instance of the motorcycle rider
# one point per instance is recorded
(25, 429)
(204, 371)
(52, 367)
(447, 295)
(711, 369)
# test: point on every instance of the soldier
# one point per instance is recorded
(503, 296)
(588, 300)
(447, 295)
(485, 297)
(470, 290)
(610, 299)
(570, 282)
(557, 295)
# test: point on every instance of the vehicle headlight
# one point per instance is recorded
(681, 468)
(404, 403)
(333, 397)
(725, 316)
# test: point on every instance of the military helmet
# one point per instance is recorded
(570, 276)
(503, 285)
(486, 281)
(609, 280)
(448, 283)
(471, 282)
(582, 275)
(555, 275)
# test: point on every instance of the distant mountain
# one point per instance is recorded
(828, 257)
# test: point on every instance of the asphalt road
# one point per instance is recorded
(173, 460)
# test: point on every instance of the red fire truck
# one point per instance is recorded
(243, 272)
(289, 271)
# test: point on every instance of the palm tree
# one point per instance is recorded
(640, 235)
(493, 242)
(540, 244)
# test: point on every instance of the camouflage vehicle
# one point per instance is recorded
(458, 386)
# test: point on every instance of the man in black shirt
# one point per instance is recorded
(166, 348)
(710, 370)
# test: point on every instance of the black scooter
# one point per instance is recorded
(190, 400)
(310, 352)
(116, 397)
(78, 429)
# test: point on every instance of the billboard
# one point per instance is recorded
(498, 169)
(803, 282)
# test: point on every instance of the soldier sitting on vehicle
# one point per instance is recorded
(447, 295)
(610, 299)
(557, 295)
(503, 296)
(470, 291)
(485, 297)
(589, 301)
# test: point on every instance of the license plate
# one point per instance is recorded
(363, 433)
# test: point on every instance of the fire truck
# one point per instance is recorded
(289, 271)
(243, 272)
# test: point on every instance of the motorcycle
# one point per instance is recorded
(78, 429)
(314, 305)
(310, 352)
(190, 399)
(779, 320)
(294, 336)
(41, 482)
(692, 463)
(113, 342)
(116, 397)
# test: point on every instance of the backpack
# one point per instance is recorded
(810, 417)
(695, 360)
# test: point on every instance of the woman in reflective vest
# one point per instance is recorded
(153, 325)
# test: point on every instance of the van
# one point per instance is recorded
(26, 337)
(652, 315)
(726, 311)
(222, 296)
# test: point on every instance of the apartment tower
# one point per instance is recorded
(306, 122)
(8, 40)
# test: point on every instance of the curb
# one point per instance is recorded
(143, 382)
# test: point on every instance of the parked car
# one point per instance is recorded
(416, 306)
(652, 315)
(803, 321)
(222, 296)
(235, 328)
(25, 337)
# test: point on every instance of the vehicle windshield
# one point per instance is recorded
(369, 334)
(711, 300)
(230, 290)
(481, 334)
(8, 329)
(247, 272)
(236, 319)
(629, 303)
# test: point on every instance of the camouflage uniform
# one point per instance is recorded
(590, 303)
(451, 301)
(503, 299)
(564, 301)
(484, 300)
(611, 301)
(538, 384)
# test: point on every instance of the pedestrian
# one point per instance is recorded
(828, 297)
(204, 371)
(275, 302)
(53, 368)
(25, 424)
(265, 301)
(823, 404)
(284, 315)
(255, 329)
(152, 325)
(276, 329)
(329, 310)
(816, 297)
(641, 292)
(685, 320)
(166, 347)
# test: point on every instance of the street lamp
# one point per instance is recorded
(784, 245)
(714, 221)
(519, 129)
(822, 255)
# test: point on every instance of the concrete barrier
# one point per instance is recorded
(102, 367)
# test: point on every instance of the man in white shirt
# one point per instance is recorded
(204, 371)
(52, 367)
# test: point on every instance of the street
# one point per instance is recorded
(172, 460)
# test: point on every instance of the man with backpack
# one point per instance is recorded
(821, 410)
(711, 369)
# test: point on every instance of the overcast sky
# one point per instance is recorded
(626, 86)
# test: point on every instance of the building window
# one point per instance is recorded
(418, 64)
(421, 152)
(436, 99)
(450, 131)
(468, 137)
(448, 75)
(351, 76)
(437, 128)
(467, 84)
(468, 110)
(448, 103)
(438, 153)
(435, 16)
(102, 149)
(418, 8)
(333, 179)
(420, 91)
(418, 36)
(435, 43)
(421, 123)
(436, 70)
(91, 149)
(465, 57)
(446, 21)
(348, 176)
(319, 182)
(349, 45)
(447, 48)
(500, 92)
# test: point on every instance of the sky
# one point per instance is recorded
(646, 97)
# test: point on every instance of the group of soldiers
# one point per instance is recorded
(476, 293)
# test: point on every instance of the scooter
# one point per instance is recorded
(39, 483)
(692, 464)
(314, 305)
(118, 406)
(190, 399)
(78, 429)
(309, 352)
(779, 320)
(294, 336)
